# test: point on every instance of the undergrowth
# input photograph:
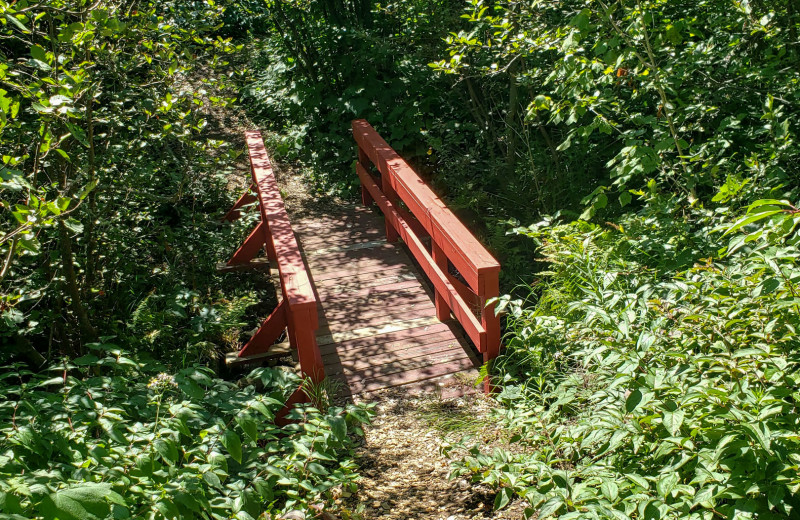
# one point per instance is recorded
(636, 390)
(104, 436)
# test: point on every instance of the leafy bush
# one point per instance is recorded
(636, 391)
(135, 443)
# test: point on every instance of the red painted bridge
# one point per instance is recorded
(389, 293)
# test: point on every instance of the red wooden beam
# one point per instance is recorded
(246, 198)
(267, 334)
(251, 246)
(461, 247)
(437, 276)
(301, 302)
(410, 219)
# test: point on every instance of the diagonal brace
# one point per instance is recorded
(257, 239)
(267, 333)
(248, 197)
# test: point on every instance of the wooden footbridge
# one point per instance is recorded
(373, 301)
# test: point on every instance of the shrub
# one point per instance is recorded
(135, 443)
(636, 391)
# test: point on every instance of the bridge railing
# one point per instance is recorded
(297, 311)
(463, 273)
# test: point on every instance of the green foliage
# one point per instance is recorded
(160, 322)
(686, 93)
(636, 391)
(107, 164)
(135, 443)
(322, 66)
(116, 164)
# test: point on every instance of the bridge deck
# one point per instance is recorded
(378, 326)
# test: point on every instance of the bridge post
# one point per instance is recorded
(363, 160)
(488, 288)
(440, 257)
(388, 191)
(303, 327)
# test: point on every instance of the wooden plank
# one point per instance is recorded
(321, 275)
(374, 368)
(413, 222)
(395, 339)
(299, 297)
(338, 257)
(379, 356)
(337, 337)
(295, 281)
(267, 333)
(364, 219)
(377, 309)
(469, 296)
(256, 263)
(375, 259)
(360, 321)
(377, 282)
(406, 284)
(254, 242)
(278, 350)
(365, 304)
(318, 243)
(374, 383)
(352, 277)
(400, 348)
(372, 244)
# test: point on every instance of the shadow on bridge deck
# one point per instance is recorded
(378, 326)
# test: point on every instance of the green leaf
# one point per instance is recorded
(666, 484)
(503, 498)
(168, 509)
(168, 450)
(212, 479)
(190, 388)
(80, 502)
(233, 444)
(38, 53)
(638, 480)
(673, 420)
(750, 219)
(633, 400)
(550, 507)
(78, 133)
(88, 189)
(775, 496)
(338, 427)
(59, 100)
(74, 226)
(610, 490)
(248, 425)
(14, 20)
(316, 468)
(9, 503)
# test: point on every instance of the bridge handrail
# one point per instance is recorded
(451, 242)
(298, 310)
